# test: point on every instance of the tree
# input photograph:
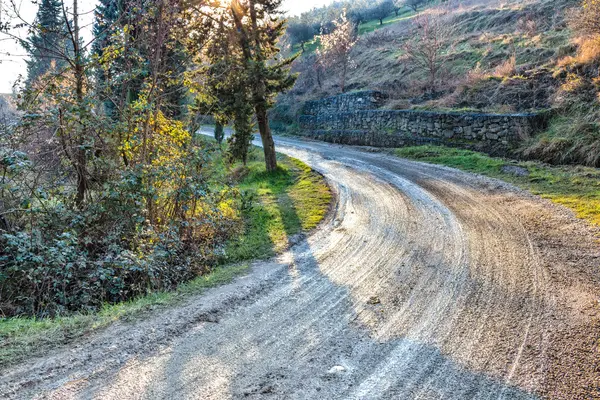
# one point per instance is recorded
(79, 72)
(415, 4)
(128, 198)
(241, 139)
(221, 83)
(398, 5)
(427, 45)
(257, 31)
(219, 132)
(358, 15)
(106, 18)
(382, 10)
(337, 46)
(47, 45)
(300, 33)
(106, 24)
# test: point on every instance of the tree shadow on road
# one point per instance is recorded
(278, 350)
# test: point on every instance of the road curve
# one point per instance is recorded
(423, 283)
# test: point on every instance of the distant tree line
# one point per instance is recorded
(304, 28)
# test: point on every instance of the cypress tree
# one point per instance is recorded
(105, 25)
(106, 15)
(47, 45)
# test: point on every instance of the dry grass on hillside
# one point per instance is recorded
(495, 58)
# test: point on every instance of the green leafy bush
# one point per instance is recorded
(55, 258)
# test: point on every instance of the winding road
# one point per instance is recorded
(423, 283)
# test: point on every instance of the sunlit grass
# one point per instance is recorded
(365, 27)
(373, 25)
(291, 200)
(309, 47)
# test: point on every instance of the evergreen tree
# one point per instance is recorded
(106, 24)
(47, 45)
(219, 132)
(258, 27)
(176, 93)
(241, 139)
(223, 86)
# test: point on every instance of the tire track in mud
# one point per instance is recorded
(423, 283)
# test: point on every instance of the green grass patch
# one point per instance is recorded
(309, 47)
(290, 201)
(370, 26)
(366, 27)
(577, 188)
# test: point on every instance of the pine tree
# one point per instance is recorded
(222, 87)
(47, 45)
(106, 16)
(105, 26)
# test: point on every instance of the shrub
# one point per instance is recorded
(585, 20)
(430, 40)
(528, 26)
(506, 69)
(55, 258)
(589, 50)
(475, 76)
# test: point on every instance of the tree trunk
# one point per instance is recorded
(267, 137)
(319, 82)
(344, 72)
(80, 157)
(259, 91)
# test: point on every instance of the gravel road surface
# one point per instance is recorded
(423, 283)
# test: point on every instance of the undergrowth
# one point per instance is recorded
(23, 337)
(569, 140)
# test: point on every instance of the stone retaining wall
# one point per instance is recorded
(342, 120)
(367, 100)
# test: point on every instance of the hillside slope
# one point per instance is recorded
(486, 34)
(498, 56)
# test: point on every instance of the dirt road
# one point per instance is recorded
(424, 283)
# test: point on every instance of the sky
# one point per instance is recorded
(12, 60)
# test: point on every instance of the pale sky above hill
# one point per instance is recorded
(12, 60)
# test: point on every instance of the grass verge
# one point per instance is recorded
(22, 337)
(577, 188)
(291, 201)
(288, 202)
